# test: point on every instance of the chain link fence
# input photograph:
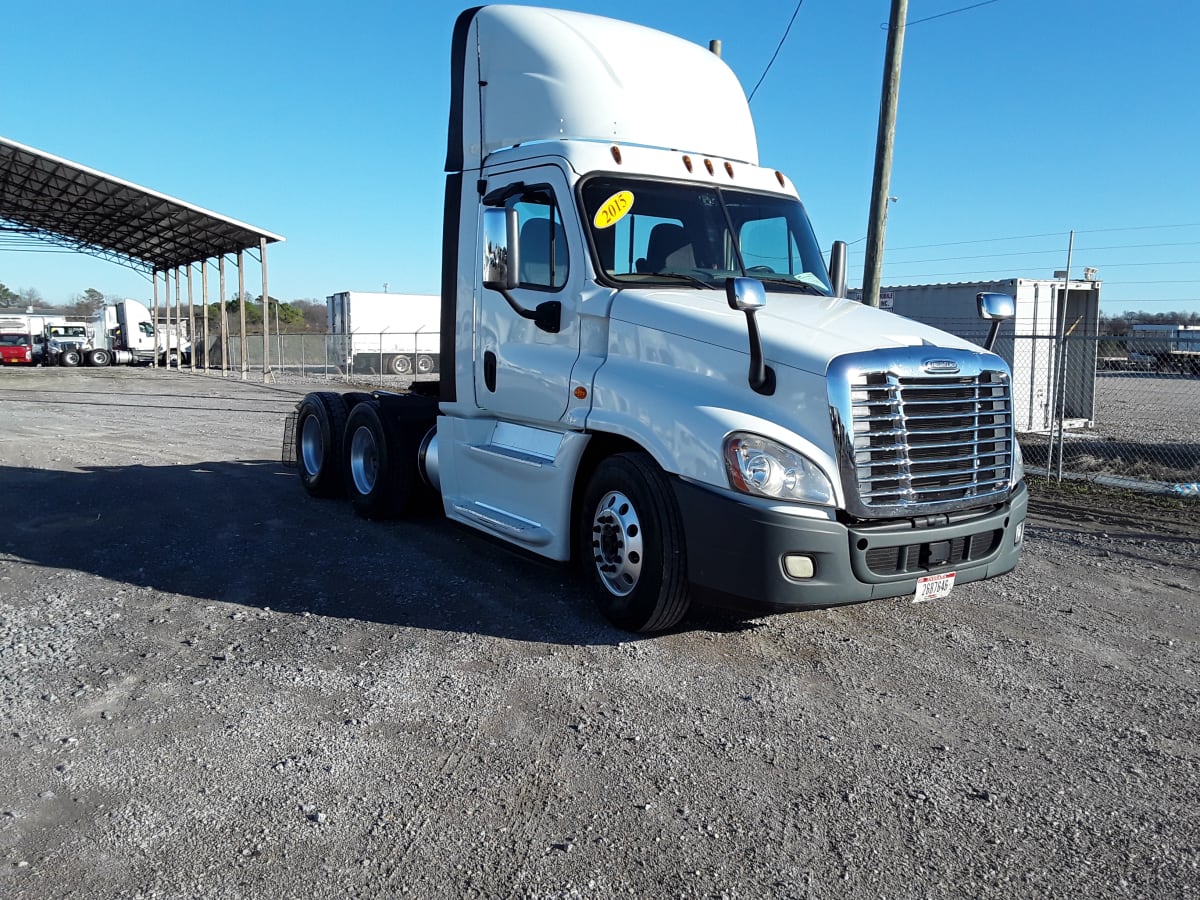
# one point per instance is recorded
(1124, 411)
(389, 360)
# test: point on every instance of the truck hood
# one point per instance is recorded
(798, 330)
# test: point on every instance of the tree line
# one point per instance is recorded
(291, 316)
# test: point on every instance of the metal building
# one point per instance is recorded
(47, 199)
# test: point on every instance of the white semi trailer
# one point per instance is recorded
(647, 367)
(395, 333)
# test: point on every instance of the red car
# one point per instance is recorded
(15, 349)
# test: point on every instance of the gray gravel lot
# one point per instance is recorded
(215, 686)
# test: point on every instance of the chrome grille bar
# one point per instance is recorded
(918, 442)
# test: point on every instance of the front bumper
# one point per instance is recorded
(736, 550)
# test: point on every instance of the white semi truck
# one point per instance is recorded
(394, 333)
(124, 333)
(647, 367)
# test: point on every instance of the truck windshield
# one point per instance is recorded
(14, 340)
(653, 232)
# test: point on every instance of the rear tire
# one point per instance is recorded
(320, 426)
(353, 398)
(379, 456)
(424, 364)
(400, 365)
(631, 543)
(98, 357)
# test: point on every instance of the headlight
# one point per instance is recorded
(1018, 469)
(765, 468)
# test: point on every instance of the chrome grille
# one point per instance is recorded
(929, 441)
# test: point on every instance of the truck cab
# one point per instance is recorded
(652, 372)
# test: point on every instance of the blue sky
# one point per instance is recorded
(1019, 120)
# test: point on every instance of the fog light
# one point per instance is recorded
(798, 566)
(1019, 534)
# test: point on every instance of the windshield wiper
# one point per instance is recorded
(802, 287)
(690, 279)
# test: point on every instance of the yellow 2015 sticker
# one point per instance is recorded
(614, 209)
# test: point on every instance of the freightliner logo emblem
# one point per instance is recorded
(940, 366)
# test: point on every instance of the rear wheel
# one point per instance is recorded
(424, 364)
(380, 460)
(399, 365)
(99, 357)
(320, 424)
(631, 544)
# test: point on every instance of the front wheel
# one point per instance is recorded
(70, 358)
(631, 543)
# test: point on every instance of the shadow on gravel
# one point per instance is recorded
(245, 532)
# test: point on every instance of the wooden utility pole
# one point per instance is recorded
(873, 266)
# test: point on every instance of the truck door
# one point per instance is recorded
(521, 371)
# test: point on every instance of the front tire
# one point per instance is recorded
(320, 424)
(70, 358)
(631, 543)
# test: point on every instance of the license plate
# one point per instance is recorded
(933, 587)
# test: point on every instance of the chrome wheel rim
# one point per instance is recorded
(364, 461)
(617, 543)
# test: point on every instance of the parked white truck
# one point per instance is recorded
(394, 333)
(124, 333)
(647, 366)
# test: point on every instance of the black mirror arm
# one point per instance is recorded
(546, 316)
(993, 332)
(762, 376)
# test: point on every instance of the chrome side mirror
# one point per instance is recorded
(501, 249)
(837, 268)
(745, 294)
(997, 308)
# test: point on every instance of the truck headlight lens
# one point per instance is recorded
(1018, 469)
(765, 468)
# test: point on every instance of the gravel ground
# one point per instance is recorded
(215, 686)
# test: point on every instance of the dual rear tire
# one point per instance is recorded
(351, 445)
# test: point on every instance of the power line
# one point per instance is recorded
(1058, 234)
(771, 62)
(908, 262)
(950, 13)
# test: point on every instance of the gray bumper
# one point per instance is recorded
(736, 550)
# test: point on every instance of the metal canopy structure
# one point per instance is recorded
(47, 199)
(62, 202)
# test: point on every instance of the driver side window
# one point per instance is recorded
(544, 260)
